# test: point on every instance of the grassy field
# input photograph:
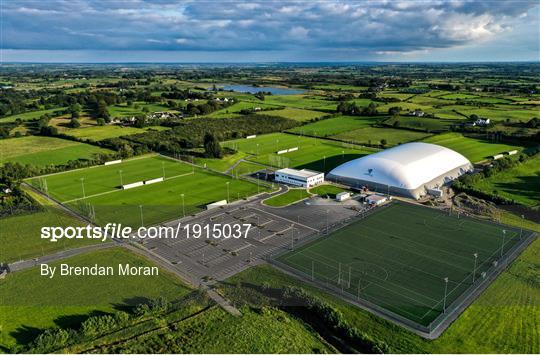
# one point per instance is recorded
(159, 202)
(374, 135)
(521, 183)
(27, 116)
(474, 149)
(424, 124)
(20, 236)
(42, 151)
(31, 302)
(97, 133)
(294, 114)
(398, 257)
(268, 330)
(312, 153)
(326, 191)
(333, 126)
(300, 101)
(123, 110)
(287, 198)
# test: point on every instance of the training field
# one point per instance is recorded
(312, 153)
(105, 201)
(398, 257)
(474, 149)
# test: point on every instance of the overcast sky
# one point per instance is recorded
(268, 31)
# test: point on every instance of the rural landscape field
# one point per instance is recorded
(269, 177)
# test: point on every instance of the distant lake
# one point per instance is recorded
(255, 89)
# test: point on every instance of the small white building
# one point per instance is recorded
(343, 196)
(216, 204)
(376, 200)
(304, 177)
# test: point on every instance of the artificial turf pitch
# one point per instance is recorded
(398, 257)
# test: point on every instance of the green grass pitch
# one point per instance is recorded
(160, 201)
(312, 153)
(474, 149)
(398, 257)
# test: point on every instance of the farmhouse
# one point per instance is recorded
(304, 177)
(408, 169)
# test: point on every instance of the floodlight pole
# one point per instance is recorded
(82, 183)
(259, 225)
(349, 283)
(142, 218)
(183, 206)
(521, 230)
(474, 270)
(445, 290)
(257, 148)
(339, 274)
(502, 245)
(227, 183)
(324, 163)
(163, 169)
(292, 236)
(327, 221)
(121, 178)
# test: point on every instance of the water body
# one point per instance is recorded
(255, 89)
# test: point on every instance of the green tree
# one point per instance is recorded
(74, 123)
(211, 146)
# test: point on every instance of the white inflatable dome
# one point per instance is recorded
(408, 169)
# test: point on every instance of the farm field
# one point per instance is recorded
(300, 101)
(31, 302)
(374, 135)
(398, 257)
(295, 114)
(97, 133)
(521, 183)
(235, 108)
(43, 151)
(32, 115)
(474, 149)
(513, 113)
(291, 196)
(315, 154)
(123, 110)
(148, 204)
(332, 126)
(423, 124)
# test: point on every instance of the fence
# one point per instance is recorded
(433, 330)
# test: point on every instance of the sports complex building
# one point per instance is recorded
(410, 170)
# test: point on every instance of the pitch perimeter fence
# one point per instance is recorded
(444, 319)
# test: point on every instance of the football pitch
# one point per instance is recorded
(96, 192)
(307, 153)
(398, 259)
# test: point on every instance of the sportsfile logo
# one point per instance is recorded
(119, 231)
